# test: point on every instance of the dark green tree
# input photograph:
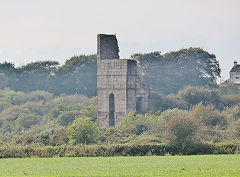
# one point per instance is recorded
(7, 67)
(78, 75)
(38, 75)
(7, 74)
(195, 95)
(172, 71)
(82, 130)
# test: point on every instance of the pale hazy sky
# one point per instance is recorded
(58, 29)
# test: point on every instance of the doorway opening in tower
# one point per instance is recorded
(111, 109)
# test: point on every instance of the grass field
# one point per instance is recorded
(204, 165)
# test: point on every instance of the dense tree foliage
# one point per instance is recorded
(38, 75)
(166, 73)
(77, 75)
(173, 71)
(82, 130)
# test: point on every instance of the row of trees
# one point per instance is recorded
(77, 75)
(166, 73)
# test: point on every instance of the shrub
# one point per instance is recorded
(4, 105)
(229, 89)
(67, 117)
(135, 124)
(109, 135)
(91, 109)
(180, 131)
(39, 95)
(12, 97)
(26, 121)
(230, 100)
(208, 115)
(235, 129)
(14, 112)
(232, 114)
(70, 100)
(168, 114)
(196, 95)
(82, 130)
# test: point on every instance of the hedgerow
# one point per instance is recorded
(7, 151)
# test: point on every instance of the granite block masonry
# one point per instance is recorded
(119, 88)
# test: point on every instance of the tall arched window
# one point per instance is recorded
(111, 109)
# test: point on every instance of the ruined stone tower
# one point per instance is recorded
(118, 84)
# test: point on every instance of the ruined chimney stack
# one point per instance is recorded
(235, 63)
(107, 47)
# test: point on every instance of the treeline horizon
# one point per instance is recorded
(165, 73)
(76, 75)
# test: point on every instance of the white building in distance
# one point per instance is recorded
(235, 74)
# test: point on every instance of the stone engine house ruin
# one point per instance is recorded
(118, 84)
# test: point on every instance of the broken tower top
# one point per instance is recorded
(107, 47)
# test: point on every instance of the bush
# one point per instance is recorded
(180, 131)
(12, 97)
(196, 95)
(232, 114)
(4, 105)
(135, 124)
(27, 121)
(160, 102)
(109, 135)
(91, 109)
(208, 115)
(229, 89)
(39, 95)
(235, 129)
(82, 130)
(67, 117)
(230, 100)
(170, 113)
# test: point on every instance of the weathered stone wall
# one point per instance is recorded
(143, 95)
(114, 78)
(118, 77)
(107, 47)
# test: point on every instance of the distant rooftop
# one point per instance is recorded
(235, 68)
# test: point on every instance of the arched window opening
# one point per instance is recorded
(111, 110)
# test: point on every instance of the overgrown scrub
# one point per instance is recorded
(181, 122)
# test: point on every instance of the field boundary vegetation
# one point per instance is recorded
(7, 151)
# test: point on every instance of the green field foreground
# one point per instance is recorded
(197, 165)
